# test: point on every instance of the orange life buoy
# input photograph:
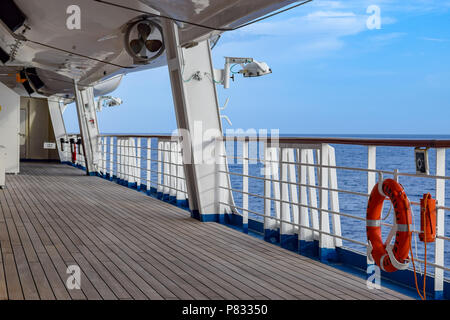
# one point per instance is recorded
(389, 258)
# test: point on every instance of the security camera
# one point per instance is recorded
(256, 69)
(249, 68)
(108, 101)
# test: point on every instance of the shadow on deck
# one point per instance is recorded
(131, 246)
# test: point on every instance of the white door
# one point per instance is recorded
(23, 133)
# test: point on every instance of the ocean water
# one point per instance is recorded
(388, 158)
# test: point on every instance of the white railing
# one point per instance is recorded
(297, 189)
(153, 163)
(299, 197)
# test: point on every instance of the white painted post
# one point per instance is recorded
(119, 159)
(179, 173)
(127, 159)
(305, 236)
(312, 192)
(371, 181)
(245, 185)
(105, 152)
(334, 196)
(173, 169)
(276, 185)
(292, 185)
(139, 163)
(166, 168)
(285, 208)
(371, 165)
(111, 158)
(160, 188)
(149, 163)
(122, 160)
(100, 146)
(98, 165)
(286, 229)
(268, 223)
(325, 241)
(133, 163)
(440, 225)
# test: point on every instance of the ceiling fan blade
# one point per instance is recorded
(144, 30)
(136, 45)
(153, 45)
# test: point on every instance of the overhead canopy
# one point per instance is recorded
(101, 36)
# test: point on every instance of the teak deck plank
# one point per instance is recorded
(131, 246)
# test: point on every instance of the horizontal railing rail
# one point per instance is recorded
(299, 189)
(423, 143)
(298, 185)
(147, 162)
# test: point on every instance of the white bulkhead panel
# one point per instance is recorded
(9, 127)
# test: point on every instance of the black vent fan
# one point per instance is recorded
(144, 41)
(11, 15)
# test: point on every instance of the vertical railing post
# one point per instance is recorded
(149, 165)
(312, 193)
(326, 244)
(305, 236)
(138, 163)
(127, 161)
(245, 185)
(288, 239)
(111, 158)
(181, 195)
(159, 184)
(173, 172)
(119, 160)
(270, 225)
(371, 181)
(103, 156)
(440, 225)
(166, 178)
(334, 197)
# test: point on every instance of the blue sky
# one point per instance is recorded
(331, 74)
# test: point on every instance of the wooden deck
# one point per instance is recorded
(131, 246)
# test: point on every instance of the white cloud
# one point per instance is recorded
(388, 36)
(434, 39)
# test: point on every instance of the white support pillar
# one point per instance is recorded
(371, 165)
(87, 120)
(173, 171)
(166, 166)
(181, 195)
(269, 224)
(126, 160)
(288, 239)
(100, 151)
(149, 165)
(326, 244)
(371, 181)
(312, 193)
(305, 236)
(138, 163)
(111, 158)
(119, 160)
(59, 128)
(440, 225)
(245, 186)
(10, 128)
(159, 182)
(198, 119)
(334, 197)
